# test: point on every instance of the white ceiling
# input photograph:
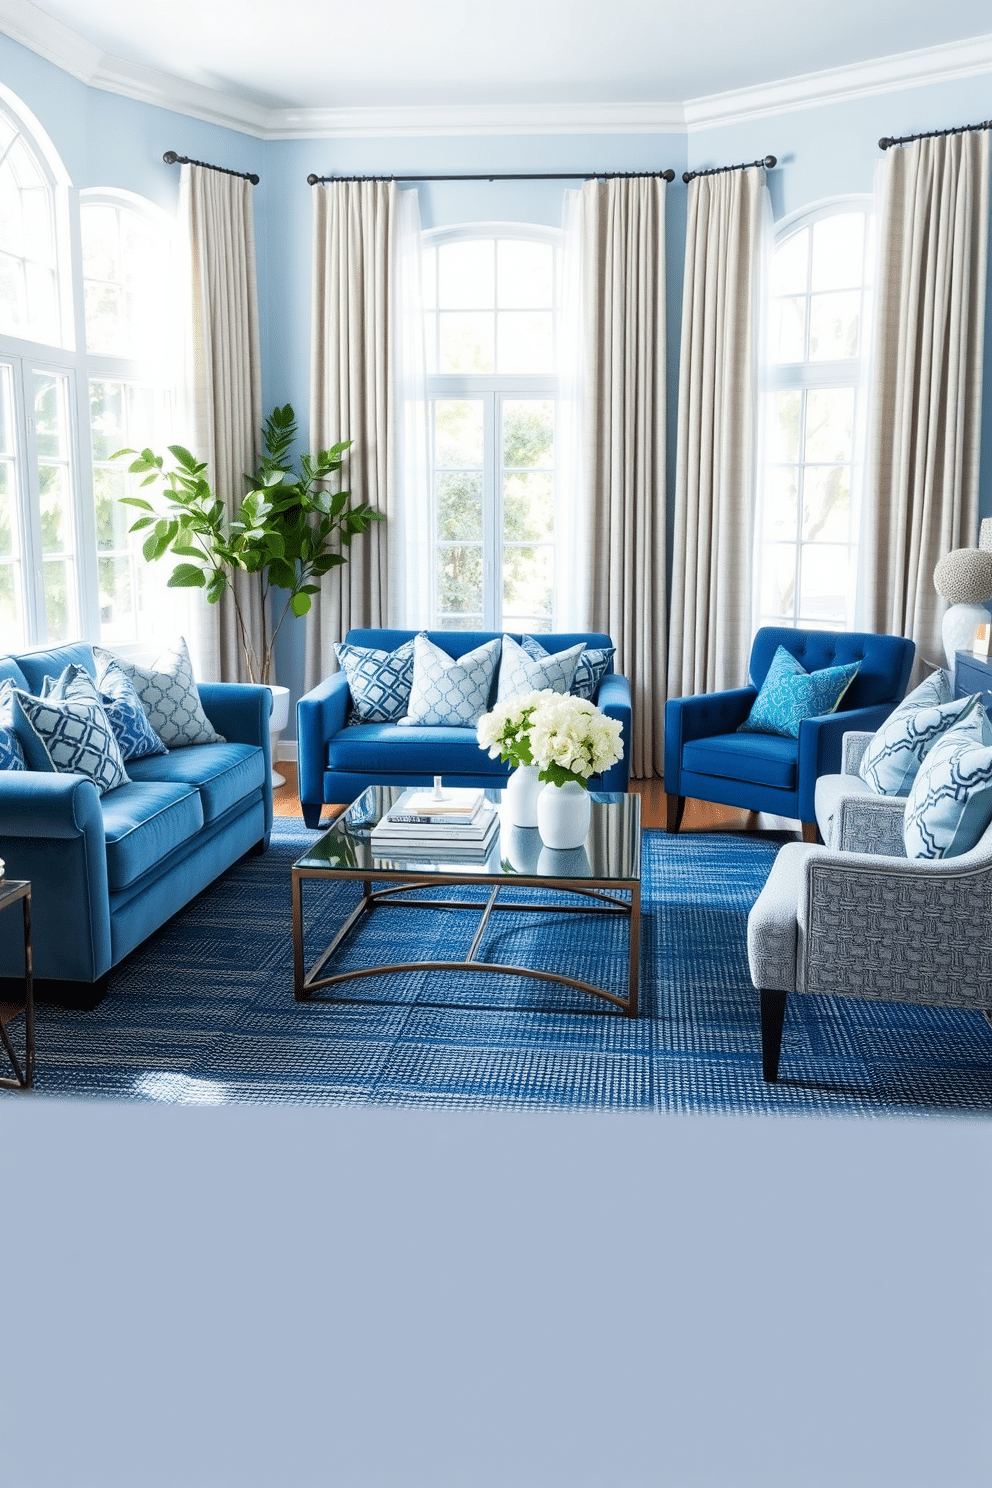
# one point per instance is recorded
(327, 54)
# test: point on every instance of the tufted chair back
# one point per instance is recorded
(886, 660)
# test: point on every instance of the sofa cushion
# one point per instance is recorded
(76, 736)
(764, 759)
(168, 695)
(389, 748)
(790, 694)
(143, 824)
(223, 773)
(529, 668)
(379, 681)
(37, 665)
(447, 692)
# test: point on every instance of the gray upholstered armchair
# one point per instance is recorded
(869, 922)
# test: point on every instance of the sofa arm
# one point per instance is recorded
(852, 750)
(51, 832)
(613, 699)
(870, 824)
(700, 716)
(240, 711)
(320, 714)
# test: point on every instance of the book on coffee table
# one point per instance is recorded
(412, 841)
(421, 807)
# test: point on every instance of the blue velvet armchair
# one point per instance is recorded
(708, 760)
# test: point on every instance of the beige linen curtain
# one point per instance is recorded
(619, 516)
(921, 485)
(225, 382)
(711, 610)
(352, 393)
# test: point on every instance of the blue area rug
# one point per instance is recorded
(204, 1012)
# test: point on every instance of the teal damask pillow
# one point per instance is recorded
(950, 804)
(789, 694)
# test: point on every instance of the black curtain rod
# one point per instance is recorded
(171, 158)
(666, 175)
(718, 170)
(907, 139)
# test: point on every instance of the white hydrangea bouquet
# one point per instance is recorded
(566, 737)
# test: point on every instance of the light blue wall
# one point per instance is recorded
(824, 151)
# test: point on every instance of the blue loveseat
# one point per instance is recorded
(338, 761)
(107, 871)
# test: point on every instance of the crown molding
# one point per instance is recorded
(937, 64)
(31, 27)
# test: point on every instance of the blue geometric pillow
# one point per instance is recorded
(521, 669)
(950, 804)
(379, 681)
(590, 669)
(11, 753)
(893, 757)
(789, 694)
(120, 702)
(74, 736)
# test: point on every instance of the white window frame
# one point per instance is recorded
(807, 376)
(492, 389)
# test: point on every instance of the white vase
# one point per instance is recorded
(520, 796)
(957, 629)
(278, 719)
(563, 814)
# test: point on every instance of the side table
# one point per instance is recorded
(12, 890)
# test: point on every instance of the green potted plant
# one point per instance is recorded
(289, 530)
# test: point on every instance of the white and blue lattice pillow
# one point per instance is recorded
(789, 694)
(120, 702)
(168, 695)
(893, 757)
(379, 681)
(950, 803)
(11, 753)
(70, 736)
(590, 668)
(529, 668)
(450, 692)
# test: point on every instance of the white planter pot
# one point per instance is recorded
(563, 814)
(520, 796)
(278, 720)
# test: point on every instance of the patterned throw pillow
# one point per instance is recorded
(447, 692)
(168, 695)
(950, 804)
(379, 681)
(590, 669)
(523, 669)
(893, 757)
(11, 753)
(120, 702)
(75, 736)
(789, 694)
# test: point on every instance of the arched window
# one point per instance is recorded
(809, 491)
(33, 282)
(490, 306)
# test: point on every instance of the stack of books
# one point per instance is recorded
(460, 824)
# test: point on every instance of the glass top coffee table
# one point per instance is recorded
(605, 873)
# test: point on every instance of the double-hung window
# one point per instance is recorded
(808, 510)
(490, 308)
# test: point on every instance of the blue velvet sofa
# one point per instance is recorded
(107, 871)
(708, 760)
(337, 761)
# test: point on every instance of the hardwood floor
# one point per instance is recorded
(700, 816)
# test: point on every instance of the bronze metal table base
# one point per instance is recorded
(307, 983)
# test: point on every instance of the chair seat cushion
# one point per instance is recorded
(143, 824)
(224, 774)
(764, 759)
(389, 748)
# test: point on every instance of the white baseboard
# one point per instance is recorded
(286, 750)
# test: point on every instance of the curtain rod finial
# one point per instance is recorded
(884, 144)
(668, 175)
(770, 162)
(687, 176)
(312, 179)
(170, 157)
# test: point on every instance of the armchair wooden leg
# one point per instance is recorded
(772, 1018)
(811, 832)
(311, 815)
(676, 807)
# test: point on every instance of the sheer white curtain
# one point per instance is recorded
(921, 486)
(728, 224)
(224, 384)
(367, 386)
(612, 421)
